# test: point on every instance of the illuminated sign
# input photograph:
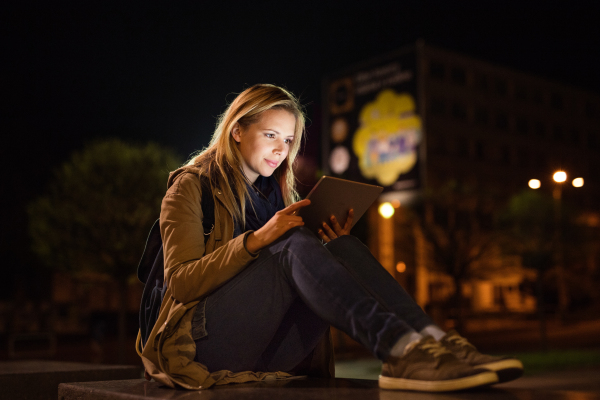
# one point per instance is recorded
(373, 131)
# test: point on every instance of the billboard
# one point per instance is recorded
(373, 132)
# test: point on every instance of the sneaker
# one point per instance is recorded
(429, 367)
(507, 368)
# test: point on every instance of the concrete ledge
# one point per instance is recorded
(33, 379)
(311, 388)
(307, 388)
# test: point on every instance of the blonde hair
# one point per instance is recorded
(221, 162)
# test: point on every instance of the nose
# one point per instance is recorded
(279, 147)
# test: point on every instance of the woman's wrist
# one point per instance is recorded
(253, 244)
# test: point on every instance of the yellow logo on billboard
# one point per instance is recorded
(386, 141)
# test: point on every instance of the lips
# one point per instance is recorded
(272, 164)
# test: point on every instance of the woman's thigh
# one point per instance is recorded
(257, 322)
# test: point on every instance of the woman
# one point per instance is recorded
(256, 299)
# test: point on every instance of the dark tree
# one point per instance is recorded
(456, 222)
(98, 209)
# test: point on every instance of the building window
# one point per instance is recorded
(521, 92)
(522, 125)
(501, 87)
(558, 133)
(590, 109)
(523, 158)
(556, 101)
(575, 136)
(482, 116)
(540, 129)
(537, 96)
(479, 151)
(505, 155)
(437, 106)
(502, 121)
(593, 141)
(436, 70)
(462, 149)
(541, 163)
(459, 111)
(459, 76)
(440, 147)
(481, 83)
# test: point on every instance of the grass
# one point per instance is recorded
(534, 362)
(558, 360)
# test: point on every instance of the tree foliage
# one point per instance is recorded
(99, 207)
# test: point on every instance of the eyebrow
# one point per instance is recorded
(273, 130)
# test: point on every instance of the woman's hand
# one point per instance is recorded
(327, 234)
(280, 223)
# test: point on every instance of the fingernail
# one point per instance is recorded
(333, 218)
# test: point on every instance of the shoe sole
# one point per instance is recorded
(447, 385)
(507, 370)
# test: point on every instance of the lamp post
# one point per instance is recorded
(559, 177)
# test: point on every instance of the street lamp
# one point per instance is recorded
(559, 177)
(386, 210)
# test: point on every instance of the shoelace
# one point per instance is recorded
(435, 348)
(459, 340)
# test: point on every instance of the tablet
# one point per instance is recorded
(334, 196)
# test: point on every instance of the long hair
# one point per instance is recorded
(221, 161)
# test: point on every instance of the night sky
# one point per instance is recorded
(73, 72)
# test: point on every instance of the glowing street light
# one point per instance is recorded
(401, 267)
(560, 176)
(535, 183)
(386, 210)
(578, 182)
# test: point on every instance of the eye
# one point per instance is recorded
(288, 141)
(270, 135)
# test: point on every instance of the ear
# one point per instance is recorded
(236, 132)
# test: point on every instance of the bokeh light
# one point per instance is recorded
(401, 267)
(386, 210)
(560, 176)
(578, 182)
(535, 183)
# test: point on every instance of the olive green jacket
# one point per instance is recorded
(193, 270)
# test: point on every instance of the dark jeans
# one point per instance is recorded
(272, 314)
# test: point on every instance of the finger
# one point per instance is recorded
(348, 223)
(336, 227)
(329, 231)
(323, 236)
(292, 208)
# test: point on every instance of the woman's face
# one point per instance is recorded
(266, 143)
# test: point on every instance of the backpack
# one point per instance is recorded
(151, 267)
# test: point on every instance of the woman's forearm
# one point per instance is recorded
(254, 243)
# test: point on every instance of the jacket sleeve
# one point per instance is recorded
(188, 272)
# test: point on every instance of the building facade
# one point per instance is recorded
(422, 118)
